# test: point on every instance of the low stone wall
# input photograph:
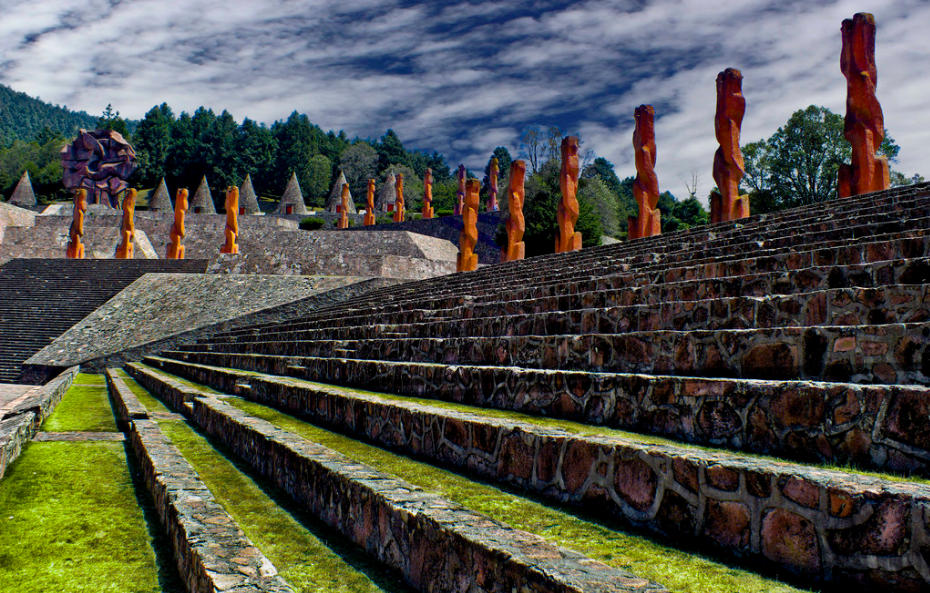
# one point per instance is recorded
(842, 423)
(52, 242)
(825, 525)
(429, 540)
(210, 549)
(15, 216)
(20, 422)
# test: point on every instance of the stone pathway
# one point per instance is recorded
(79, 436)
(12, 395)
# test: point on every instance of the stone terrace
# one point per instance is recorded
(777, 343)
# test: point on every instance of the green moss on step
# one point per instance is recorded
(85, 409)
(680, 571)
(89, 379)
(70, 521)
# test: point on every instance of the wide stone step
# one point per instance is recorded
(442, 542)
(809, 520)
(871, 426)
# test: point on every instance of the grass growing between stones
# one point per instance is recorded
(89, 379)
(309, 556)
(70, 521)
(84, 409)
(680, 571)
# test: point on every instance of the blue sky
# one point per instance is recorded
(464, 77)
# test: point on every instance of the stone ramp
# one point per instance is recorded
(158, 311)
(52, 242)
(40, 299)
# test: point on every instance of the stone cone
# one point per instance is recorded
(161, 199)
(292, 197)
(248, 201)
(203, 201)
(23, 194)
(335, 196)
(387, 194)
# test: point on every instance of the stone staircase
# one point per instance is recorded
(40, 299)
(773, 374)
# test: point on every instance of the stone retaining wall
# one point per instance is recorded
(211, 551)
(432, 542)
(821, 524)
(842, 423)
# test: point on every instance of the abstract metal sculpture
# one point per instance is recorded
(232, 221)
(468, 259)
(128, 230)
(75, 247)
(100, 162)
(428, 194)
(726, 203)
(492, 185)
(175, 248)
(516, 224)
(646, 186)
(865, 127)
(370, 204)
(567, 214)
(399, 198)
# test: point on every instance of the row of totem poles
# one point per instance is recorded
(864, 129)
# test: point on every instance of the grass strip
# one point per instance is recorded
(82, 409)
(680, 571)
(308, 556)
(70, 520)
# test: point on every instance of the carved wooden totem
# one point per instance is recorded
(428, 194)
(75, 247)
(175, 248)
(567, 214)
(468, 259)
(232, 221)
(516, 224)
(460, 194)
(646, 186)
(128, 230)
(344, 210)
(726, 203)
(492, 185)
(370, 204)
(865, 124)
(399, 200)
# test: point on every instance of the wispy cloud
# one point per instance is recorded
(464, 77)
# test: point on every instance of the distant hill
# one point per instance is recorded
(24, 117)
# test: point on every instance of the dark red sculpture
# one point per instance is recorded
(100, 162)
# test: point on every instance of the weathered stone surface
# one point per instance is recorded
(248, 201)
(161, 199)
(292, 202)
(791, 541)
(23, 194)
(202, 202)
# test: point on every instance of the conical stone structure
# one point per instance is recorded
(23, 194)
(387, 194)
(292, 202)
(203, 201)
(248, 201)
(161, 200)
(335, 196)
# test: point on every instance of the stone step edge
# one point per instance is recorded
(211, 551)
(15, 432)
(884, 419)
(731, 499)
(388, 510)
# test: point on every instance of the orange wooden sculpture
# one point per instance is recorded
(399, 200)
(175, 248)
(646, 186)
(370, 204)
(75, 247)
(865, 124)
(428, 194)
(726, 203)
(468, 259)
(492, 185)
(344, 210)
(128, 231)
(232, 221)
(567, 214)
(516, 224)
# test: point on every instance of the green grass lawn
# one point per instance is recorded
(85, 409)
(307, 554)
(70, 522)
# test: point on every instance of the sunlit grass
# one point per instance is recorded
(84, 409)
